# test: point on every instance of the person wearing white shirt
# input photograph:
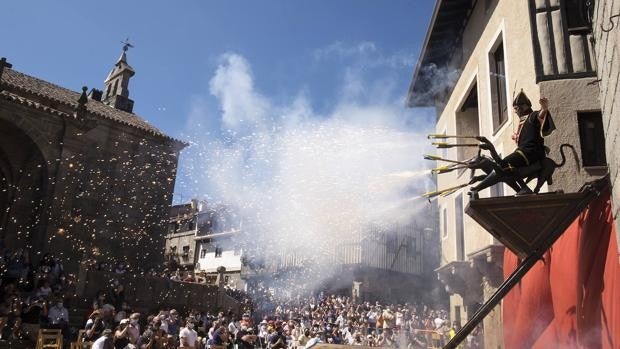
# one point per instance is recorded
(233, 327)
(105, 341)
(188, 335)
(438, 321)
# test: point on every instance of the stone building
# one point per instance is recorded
(476, 56)
(82, 176)
(185, 221)
(606, 38)
(221, 249)
(203, 238)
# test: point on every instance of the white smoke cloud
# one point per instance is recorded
(343, 50)
(366, 53)
(305, 181)
(233, 85)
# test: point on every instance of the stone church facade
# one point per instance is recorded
(81, 175)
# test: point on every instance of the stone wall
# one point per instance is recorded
(607, 56)
(104, 191)
(564, 105)
(151, 293)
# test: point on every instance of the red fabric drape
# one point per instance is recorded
(571, 299)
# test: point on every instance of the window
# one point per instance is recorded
(578, 15)
(592, 139)
(444, 223)
(185, 252)
(226, 279)
(203, 252)
(218, 252)
(467, 122)
(497, 74)
(460, 229)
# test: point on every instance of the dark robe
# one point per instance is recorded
(531, 140)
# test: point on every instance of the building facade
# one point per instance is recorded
(82, 176)
(184, 223)
(203, 238)
(606, 38)
(476, 57)
(221, 249)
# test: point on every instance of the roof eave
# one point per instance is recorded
(416, 72)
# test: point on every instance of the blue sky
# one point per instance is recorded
(329, 52)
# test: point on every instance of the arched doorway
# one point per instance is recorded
(23, 188)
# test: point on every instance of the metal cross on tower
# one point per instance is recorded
(126, 45)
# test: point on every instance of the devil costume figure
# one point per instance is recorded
(533, 127)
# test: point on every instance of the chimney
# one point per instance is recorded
(95, 94)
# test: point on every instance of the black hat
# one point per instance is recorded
(521, 99)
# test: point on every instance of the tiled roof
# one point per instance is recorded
(20, 82)
(440, 46)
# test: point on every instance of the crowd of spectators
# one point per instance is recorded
(32, 296)
(301, 322)
(305, 321)
(38, 296)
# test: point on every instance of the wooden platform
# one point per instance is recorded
(527, 223)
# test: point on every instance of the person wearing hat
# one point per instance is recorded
(533, 127)
(105, 341)
(121, 336)
(263, 333)
(188, 335)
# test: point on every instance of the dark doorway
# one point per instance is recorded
(23, 185)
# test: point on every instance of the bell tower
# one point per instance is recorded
(116, 90)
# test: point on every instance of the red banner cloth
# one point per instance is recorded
(571, 298)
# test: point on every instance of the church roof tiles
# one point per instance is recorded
(24, 86)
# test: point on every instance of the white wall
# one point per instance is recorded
(209, 263)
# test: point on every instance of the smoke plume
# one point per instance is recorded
(302, 182)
